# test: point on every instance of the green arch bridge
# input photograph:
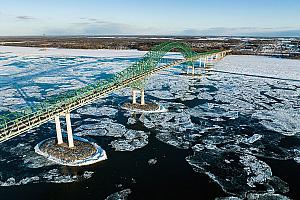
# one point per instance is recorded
(16, 123)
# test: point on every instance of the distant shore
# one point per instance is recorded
(274, 47)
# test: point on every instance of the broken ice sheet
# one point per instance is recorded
(97, 111)
(286, 122)
(234, 173)
(121, 195)
(105, 127)
(133, 140)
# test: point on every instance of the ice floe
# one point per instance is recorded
(121, 195)
(133, 140)
(98, 111)
(235, 174)
(286, 122)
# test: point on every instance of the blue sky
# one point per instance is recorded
(155, 17)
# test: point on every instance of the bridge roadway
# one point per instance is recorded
(23, 124)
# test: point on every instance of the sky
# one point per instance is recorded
(150, 17)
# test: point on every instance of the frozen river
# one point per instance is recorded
(230, 133)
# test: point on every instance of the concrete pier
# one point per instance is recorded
(58, 130)
(69, 131)
(192, 70)
(142, 97)
(134, 96)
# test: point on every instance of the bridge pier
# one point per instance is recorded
(192, 69)
(142, 97)
(58, 130)
(204, 63)
(69, 131)
(134, 96)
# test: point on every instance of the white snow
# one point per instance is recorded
(33, 51)
(261, 66)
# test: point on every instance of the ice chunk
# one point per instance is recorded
(152, 161)
(258, 170)
(228, 198)
(252, 139)
(105, 127)
(54, 176)
(265, 196)
(131, 120)
(121, 195)
(12, 182)
(286, 122)
(134, 140)
(234, 173)
(94, 111)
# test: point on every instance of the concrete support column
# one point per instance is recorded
(58, 130)
(133, 96)
(142, 97)
(69, 130)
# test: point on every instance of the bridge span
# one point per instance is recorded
(14, 124)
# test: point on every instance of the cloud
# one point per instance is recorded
(24, 17)
(242, 31)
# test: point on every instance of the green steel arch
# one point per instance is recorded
(153, 58)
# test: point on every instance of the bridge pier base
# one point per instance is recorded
(58, 130)
(69, 131)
